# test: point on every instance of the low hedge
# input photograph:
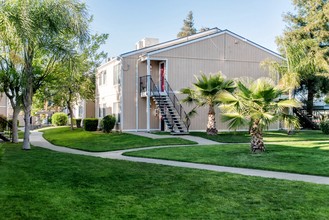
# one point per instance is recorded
(59, 119)
(78, 122)
(90, 124)
(107, 123)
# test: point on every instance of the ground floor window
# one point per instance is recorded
(117, 111)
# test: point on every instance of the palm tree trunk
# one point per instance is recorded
(257, 142)
(310, 97)
(211, 126)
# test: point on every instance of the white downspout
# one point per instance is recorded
(121, 95)
(137, 93)
(148, 101)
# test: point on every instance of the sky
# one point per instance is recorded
(128, 21)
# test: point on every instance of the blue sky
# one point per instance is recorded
(127, 21)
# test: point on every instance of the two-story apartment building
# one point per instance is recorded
(141, 87)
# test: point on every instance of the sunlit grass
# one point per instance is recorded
(42, 184)
(99, 141)
(297, 157)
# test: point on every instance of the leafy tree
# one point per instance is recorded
(205, 92)
(42, 30)
(188, 26)
(256, 104)
(309, 27)
(75, 78)
(10, 76)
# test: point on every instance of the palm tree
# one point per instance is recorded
(256, 104)
(205, 92)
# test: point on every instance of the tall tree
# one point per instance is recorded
(75, 78)
(255, 104)
(188, 26)
(205, 93)
(10, 76)
(310, 28)
(42, 29)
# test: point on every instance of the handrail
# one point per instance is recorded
(177, 105)
(308, 122)
(155, 92)
(8, 127)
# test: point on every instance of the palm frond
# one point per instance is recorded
(235, 120)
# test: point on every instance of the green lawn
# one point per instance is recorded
(269, 136)
(298, 157)
(42, 184)
(98, 141)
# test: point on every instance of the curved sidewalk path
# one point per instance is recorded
(37, 140)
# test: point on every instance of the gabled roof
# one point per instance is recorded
(172, 42)
(192, 39)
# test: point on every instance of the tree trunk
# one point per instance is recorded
(27, 96)
(310, 97)
(16, 111)
(211, 126)
(257, 142)
(71, 113)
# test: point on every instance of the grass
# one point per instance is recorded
(269, 136)
(20, 134)
(42, 184)
(98, 141)
(298, 157)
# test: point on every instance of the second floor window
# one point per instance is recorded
(104, 77)
(116, 74)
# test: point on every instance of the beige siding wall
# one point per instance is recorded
(233, 57)
(3, 104)
(130, 96)
(107, 94)
(90, 109)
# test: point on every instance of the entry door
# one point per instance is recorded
(162, 76)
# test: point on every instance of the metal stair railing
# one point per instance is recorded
(154, 90)
(6, 134)
(305, 120)
(179, 108)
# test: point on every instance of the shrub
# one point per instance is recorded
(3, 123)
(324, 126)
(78, 122)
(90, 124)
(59, 119)
(108, 123)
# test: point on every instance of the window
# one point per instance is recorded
(99, 111)
(104, 77)
(80, 111)
(100, 79)
(104, 110)
(116, 111)
(116, 74)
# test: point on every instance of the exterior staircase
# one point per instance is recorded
(5, 130)
(305, 120)
(169, 106)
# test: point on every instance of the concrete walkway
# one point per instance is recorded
(37, 140)
(199, 140)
